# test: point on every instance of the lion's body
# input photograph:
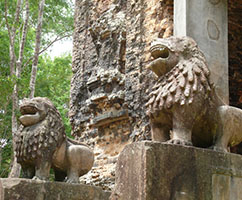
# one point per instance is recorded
(183, 105)
(41, 143)
(70, 153)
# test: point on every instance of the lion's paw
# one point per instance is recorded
(72, 180)
(219, 148)
(180, 142)
(40, 178)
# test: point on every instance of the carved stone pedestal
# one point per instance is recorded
(27, 189)
(155, 171)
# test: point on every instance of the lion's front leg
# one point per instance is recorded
(72, 176)
(42, 170)
(182, 130)
(28, 171)
(159, 132)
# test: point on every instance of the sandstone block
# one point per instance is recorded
(26, 189)
(156, 171)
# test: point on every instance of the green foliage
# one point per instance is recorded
(6, 153)
(6, 134)
(4, 57)
(6, 88)
(57, 19)
(53, 81)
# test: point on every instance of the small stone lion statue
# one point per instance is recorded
(41, 143)
(183, 106)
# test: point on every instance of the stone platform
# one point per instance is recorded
(27, 189)
(155, 171)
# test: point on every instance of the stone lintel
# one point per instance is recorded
(110, 117)
(206, 21)
(27, 189)
(155, 171)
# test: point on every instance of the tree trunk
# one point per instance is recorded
(15, 170)
(37, 48)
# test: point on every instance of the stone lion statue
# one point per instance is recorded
(41, 143)
(183, 106)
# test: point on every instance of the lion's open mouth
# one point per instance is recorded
(30, 115)
(161, 54)
(28, 110)
(159, 51)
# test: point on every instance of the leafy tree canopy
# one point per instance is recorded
(53, 81)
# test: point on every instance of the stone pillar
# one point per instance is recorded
(156, 171)
(206, 21)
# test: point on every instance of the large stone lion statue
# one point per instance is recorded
(41, 143)
(183, 106)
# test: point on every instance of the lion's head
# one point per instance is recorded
(41, 129)
(182, 72)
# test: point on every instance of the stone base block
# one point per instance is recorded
(27, 189)
(155, 171)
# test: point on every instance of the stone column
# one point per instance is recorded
(206, 21)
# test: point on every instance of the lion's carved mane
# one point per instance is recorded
(37, 140)
(189, 76)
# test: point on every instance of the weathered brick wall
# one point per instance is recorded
(235, 52)
(110, 79)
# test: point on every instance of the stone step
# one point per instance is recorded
(27, 189)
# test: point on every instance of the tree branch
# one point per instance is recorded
(23, 39)
(12, 34)
(6, 19)
(16, 18)
(15, 171)
(37, 48)
(45, 48)
(55, 40)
